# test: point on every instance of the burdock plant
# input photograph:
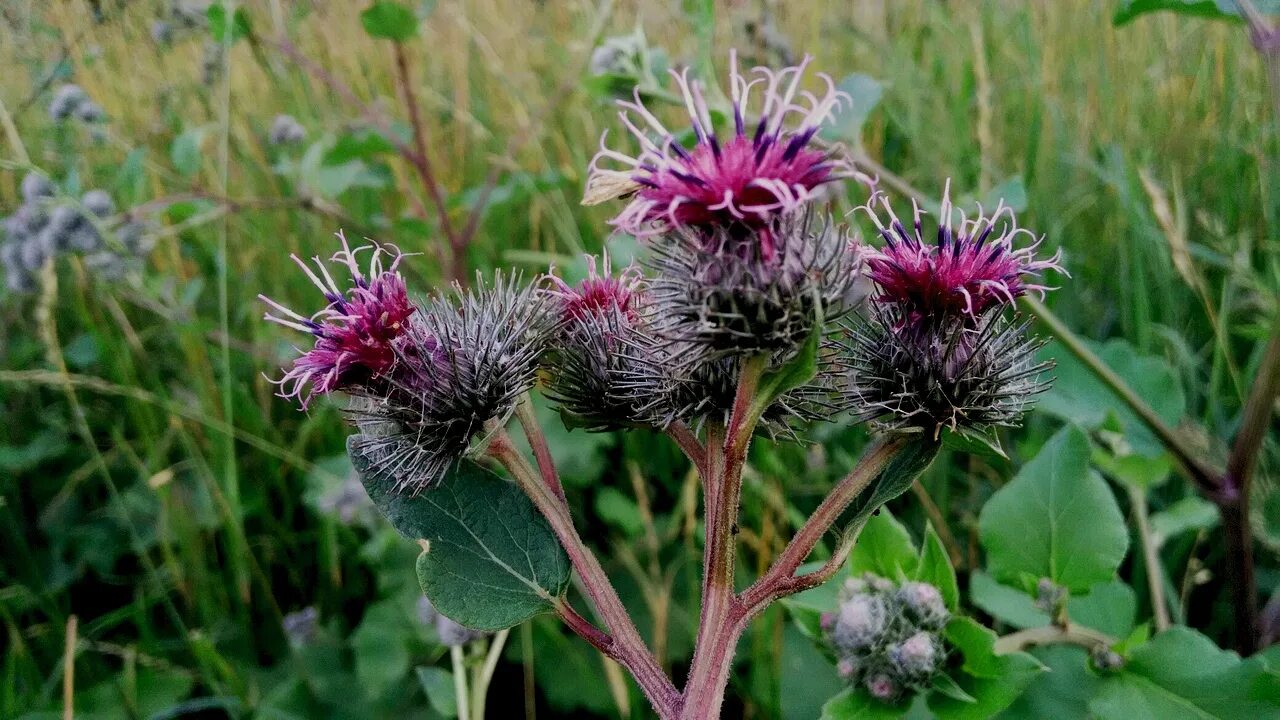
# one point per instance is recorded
(751, 315)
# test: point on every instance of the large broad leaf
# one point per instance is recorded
(991, 681)
(857, 705)
(492, 560)
(1055, 520)
(884, 547)
(1130, 9)
(1062, 692)
(1078, 396)
(1182, 674)
(935, 568)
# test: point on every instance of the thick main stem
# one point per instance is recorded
(726, 451)
(623, 642)
(713, 658)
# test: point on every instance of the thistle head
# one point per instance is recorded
(929, 376)
(743, 177)
(722, 292)
(967, 269)
(358, 334)
(924, 603)
(601, 348)
(469, 357)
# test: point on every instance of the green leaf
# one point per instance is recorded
(184, 151)
(935, 568)
(1213, 9)
(858, 705)
(885, 548)
(389, 20)
(990, 695)
(1182, 674)
(437, 684)
(1109, 607)
(974, 442)
(865, 93)
(896, 478)
(219, 27)
(1055, 520)
(1190, 513)
(944, 685)
(1063, 692)
(976, 644)
(361, 144)
(797, 371)
(1078, 396)
(620, 511)
(492, 560)
(380, 647)
(806, 678)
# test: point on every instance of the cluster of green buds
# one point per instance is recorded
(885, 635)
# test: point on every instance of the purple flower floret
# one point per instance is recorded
(970, 268)
(747, 179)
(601, 293)
(357, 333)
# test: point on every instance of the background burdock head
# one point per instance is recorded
(761, 169)
(470, 356)
(356, 333)
(723, 293)
(968, 268)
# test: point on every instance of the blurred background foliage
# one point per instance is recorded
(156, 490)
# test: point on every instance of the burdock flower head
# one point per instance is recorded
(599, 350)
(470, 356)
(936, 350)
(358, 331)
(967, 269)
(746, 178)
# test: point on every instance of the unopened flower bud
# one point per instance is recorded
(925, 604)
(1106, 659)
(882, 687)
(860, 622)
(33, 254)
(1049, 595)
(36, 187)
(286, 130)
(67, 99)
(300, 626)
(847, 668)
(99, 203)
(916, 657)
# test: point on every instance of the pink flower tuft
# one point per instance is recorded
(601, 292)
(356, 333)
(970, 268)
(748, 179)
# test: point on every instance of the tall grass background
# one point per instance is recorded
(153, 485)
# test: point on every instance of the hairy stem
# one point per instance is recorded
(1069, 634)
(780, 580)
(1151, 556)
(538, 441)
(722, 484)
(623, 642)
(684, 436)
(1237, 483)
